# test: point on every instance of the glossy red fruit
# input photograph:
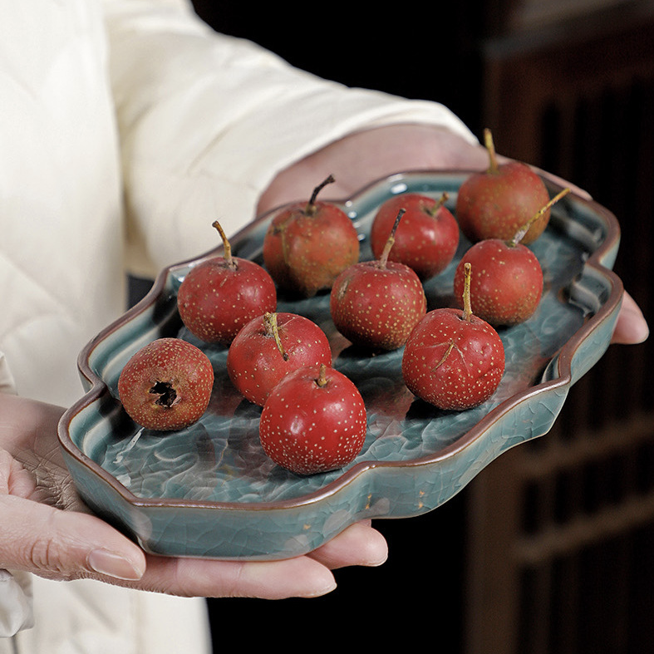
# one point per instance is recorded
(427, 238)
(376, 304)
(271, 346)
(166, 385)
(314, 421)
(307, 245)
(220, 295)
(508, 283)
(497, 202)
(453, 359)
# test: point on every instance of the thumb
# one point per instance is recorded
(60, 545)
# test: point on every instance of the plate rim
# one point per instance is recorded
(98, 388)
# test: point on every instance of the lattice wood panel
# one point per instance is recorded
(562, 529)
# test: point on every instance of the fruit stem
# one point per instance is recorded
(383, 259)
(322, 376)
(467, 307)
(311, 205)
(520, 234)
(490, 146)
(442, 200)
(270, 321)
(227, 248)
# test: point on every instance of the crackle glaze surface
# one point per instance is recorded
(209, 490)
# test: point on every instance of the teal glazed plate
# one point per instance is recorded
(210, 490)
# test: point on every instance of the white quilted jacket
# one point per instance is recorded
(124, 126)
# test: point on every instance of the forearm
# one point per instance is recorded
(207, 122)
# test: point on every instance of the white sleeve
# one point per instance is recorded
(207, 120)
(16, 608)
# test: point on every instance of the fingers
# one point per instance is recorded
(64, 544)
(359, 544)
(631, 327)
(297, 577)
(304, 576)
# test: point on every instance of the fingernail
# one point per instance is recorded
(113, 565)
(319, 592)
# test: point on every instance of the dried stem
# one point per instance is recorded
(322, 375)
(490, 146)
(227, 248)
(443, 199)
(383, 259)
(520, 234)
(311, 205)
(270, 321)
(467, 307)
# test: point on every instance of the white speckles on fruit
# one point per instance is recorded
(258, 359)
(309, 427)
(452, 363)
(377, 307)
(217, 297)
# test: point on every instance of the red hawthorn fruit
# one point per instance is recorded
(427, 238)
(166, 385)
(307, 245)
(497, 202)
(271, 346)
(376, 304)
(508, 282)
(314, 421)
(220, 295)
(453, 359)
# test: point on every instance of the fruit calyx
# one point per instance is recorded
(310, 209)
(520, 234)
(168, 396)
(270, 323)
(227, 248)
(383, 259)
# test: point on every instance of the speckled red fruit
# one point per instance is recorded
(220, 295)
(508, 282)
(377, 307)
(257, 361)
(313, 422)
(497, 202)
(166, 385)
(375, 304)
(427, 238)
(307, 245)
(451, 362)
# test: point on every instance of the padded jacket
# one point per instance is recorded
(125, 125)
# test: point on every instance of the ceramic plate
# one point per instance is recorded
(210, 491)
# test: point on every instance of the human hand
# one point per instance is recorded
(363, 157)
(48, 531)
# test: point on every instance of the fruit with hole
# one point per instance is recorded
(166, 385)
(508, 283)
(427, 238)
(314, 421)
(271, 346)
(453, 359)
(375, 304)
(308, 244)
(497, 202)
(220, 295)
